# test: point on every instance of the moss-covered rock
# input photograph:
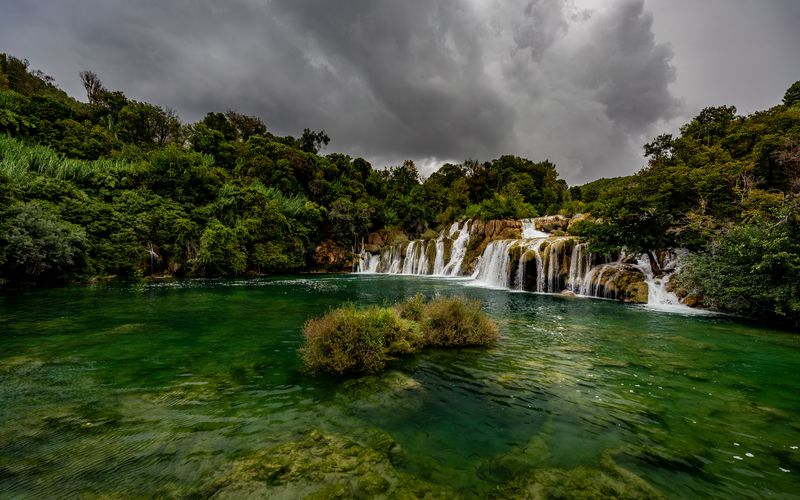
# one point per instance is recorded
(322, 465)
(608, 481)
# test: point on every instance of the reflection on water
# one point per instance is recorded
(194, 387)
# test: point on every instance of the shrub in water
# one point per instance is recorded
(352, 340)
(457, 321)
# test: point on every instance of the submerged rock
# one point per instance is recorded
(393, 392)
(322, 465)
(578, 483)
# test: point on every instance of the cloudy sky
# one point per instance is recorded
(583, 83)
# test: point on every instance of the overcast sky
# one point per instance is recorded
(583, 83)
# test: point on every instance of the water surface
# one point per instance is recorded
(175, 388)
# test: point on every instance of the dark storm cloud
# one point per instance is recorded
(581, 85)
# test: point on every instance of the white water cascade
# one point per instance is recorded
(459, 251)
(658, 294)
(493, 269)
(537, 262)
(529, 230)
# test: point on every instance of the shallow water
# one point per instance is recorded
(156, 389)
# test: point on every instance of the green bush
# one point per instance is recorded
(353, 340)
(457, 321)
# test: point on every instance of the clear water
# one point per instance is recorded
(156, 389)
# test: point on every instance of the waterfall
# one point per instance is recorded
(657, 293)
(537, 262)
(529, 230)
(580, 262)
(409, 260)
(493, 268)
(554, 267)
(438, 262)
(367, 262)
(453, 268)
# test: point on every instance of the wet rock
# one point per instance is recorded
(579, 483)
(576, 219)
(551, 223)
(320, 465)
(568, 293)
(386, 237)
(372, 248)
(393, 392)
(692, 301)
(429, 234)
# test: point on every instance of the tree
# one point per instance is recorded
(246, 126)
(792, 95)
(312, 142)
(37, 244)
(348, 219)
(94, 87)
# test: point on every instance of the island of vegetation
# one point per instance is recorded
(352, 340)
(119, 187)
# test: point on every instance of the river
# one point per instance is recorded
(178, 388)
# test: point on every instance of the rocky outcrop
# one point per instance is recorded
(386, 237)
(551, 223)
(577, 218)
(497, 229)
(328, 255)
(617, 280)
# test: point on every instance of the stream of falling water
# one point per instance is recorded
(537, 262)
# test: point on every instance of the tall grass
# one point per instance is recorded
(19, 161)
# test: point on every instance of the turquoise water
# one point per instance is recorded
(191, 387)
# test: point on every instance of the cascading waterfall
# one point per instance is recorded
(529, 230)
(410, 259)
(657, 288)
(453, 268)
(537, 262)
(494, 266)
(579, 264)
(438, 261)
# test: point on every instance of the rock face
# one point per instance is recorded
(617, 280)
(329, 255)
(386, 237)
(497, 229)
(576, 219)
(552, 223)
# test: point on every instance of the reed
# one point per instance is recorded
(19, 161)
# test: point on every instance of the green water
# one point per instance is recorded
(173, 389)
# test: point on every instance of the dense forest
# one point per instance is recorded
(118, 187)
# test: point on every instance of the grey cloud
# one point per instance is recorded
(387, 80)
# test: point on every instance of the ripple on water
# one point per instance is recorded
(194, 387)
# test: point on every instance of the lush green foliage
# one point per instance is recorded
(727, 189)
(222, 196)
(364, 340)
(115, 186)
(752, 269)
